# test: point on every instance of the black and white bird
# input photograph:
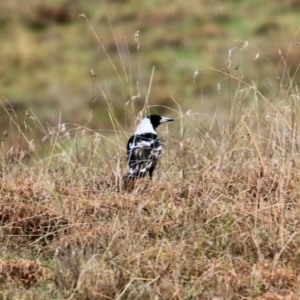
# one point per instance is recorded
(144, 147)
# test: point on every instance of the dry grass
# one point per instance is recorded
(219, 221)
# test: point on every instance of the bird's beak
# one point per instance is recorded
(164, 120)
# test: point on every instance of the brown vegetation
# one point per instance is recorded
(219, 221)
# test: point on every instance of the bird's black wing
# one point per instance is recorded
(142, 153)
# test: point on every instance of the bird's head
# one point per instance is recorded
(157, 120)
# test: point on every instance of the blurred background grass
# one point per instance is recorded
(48, 52)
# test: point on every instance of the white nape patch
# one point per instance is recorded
(145, 127)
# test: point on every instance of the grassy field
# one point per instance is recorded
(50, 48)
(220, 218)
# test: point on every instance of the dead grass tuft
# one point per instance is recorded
(26, 222)
(21, 271)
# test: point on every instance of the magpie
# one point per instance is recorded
(144, 147)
